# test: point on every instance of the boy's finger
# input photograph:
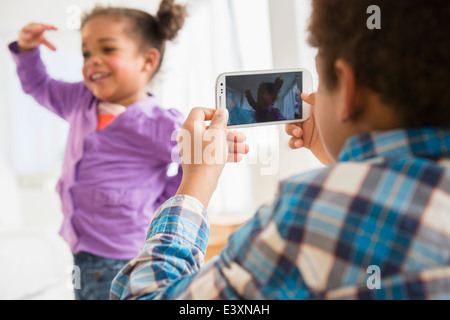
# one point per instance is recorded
(236, 136)
(309, 98)
(295, 143)
(239, 148)
(294, 129)
(200, 114)
(234, 157)
(220, 119)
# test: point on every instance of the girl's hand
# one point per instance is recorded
(306, 134)
(32, 36)
(205, 150)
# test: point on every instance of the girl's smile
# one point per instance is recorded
(98, 77)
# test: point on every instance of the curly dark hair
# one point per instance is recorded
(150, 31)
(406, 62)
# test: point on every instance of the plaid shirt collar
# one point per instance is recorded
(428, 142)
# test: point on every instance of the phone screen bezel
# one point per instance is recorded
(306, 87)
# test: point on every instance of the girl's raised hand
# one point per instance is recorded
(32, 36)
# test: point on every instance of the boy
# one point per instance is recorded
(375, 223)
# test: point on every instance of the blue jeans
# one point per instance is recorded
(96, 275)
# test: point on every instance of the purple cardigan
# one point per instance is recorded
(112, 180)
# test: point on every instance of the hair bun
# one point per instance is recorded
(170, 19)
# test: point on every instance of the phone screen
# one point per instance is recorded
(259, 98)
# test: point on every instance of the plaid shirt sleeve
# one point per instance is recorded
(175, 246)
(255, 264)
(170, 263)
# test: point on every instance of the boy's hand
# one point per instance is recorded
(306, 134)
(32, 36)
(205, 150)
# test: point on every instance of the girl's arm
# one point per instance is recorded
(252, 102)
(57, 96)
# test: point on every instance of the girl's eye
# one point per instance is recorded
(108, 50)
(86, 55)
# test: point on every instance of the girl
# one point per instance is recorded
(265, 106)
(119, 146)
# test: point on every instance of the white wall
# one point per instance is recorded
(290, 17)
(288, 23)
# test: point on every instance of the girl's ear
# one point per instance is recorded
(152, 58)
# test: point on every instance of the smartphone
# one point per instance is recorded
(266, 97)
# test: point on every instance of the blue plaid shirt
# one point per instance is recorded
(376, 225)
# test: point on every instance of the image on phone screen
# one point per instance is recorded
(261, 98)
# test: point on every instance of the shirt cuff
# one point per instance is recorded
(184, 217)
(31, 55)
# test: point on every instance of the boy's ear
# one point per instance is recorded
(349, 104)
(152, 58)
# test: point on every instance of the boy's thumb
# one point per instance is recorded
(309, 98)
(220, 119)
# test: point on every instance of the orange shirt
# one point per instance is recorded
(107, 112)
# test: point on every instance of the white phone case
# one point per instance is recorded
(224, 93)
